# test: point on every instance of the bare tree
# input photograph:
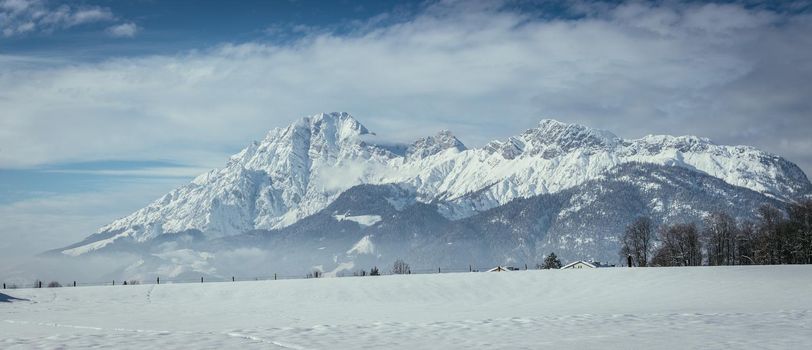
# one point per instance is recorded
(679, 246)
(778, 238)
(800, 217)
(720, 235)
(745, 243)
(637, 241)
(767, 242)
(400, 267)
(54, 284)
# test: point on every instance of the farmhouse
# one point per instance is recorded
(580, 264)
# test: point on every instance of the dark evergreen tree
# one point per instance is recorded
(551, 262)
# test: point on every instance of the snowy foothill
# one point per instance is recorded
(755, 307)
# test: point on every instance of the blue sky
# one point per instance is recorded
(173, 26)
(106, 105)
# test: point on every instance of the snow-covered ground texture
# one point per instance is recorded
(761, 307)
(297, 171)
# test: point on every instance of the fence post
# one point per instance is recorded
(232, 278)
(274, 276)
(4, 286)
(201, 279)
(114, 282)
(158, 280)
(40, 284)
(470, 268)
(438, 270)
(629, 260)
(74, 283)
(525, 267)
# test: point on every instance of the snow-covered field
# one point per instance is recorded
(614, 308)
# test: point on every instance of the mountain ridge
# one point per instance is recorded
(364, 227)
(299, 170)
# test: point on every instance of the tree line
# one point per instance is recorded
(774, 237)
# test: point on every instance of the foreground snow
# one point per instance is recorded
(733, 307)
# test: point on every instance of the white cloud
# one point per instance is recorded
(19, 17)
(161, 172)
(125, 30)
(15, 5)
(34, 225)
(479, 70)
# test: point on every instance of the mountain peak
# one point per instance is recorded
(431, 145)
(342, 124)
(292, 150)
(331, 117)
(552, 138)
(544, 122)
(556, 130)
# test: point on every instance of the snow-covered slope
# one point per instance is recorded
(298, 170)
(741, 307)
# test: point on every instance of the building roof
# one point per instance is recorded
(576, 262)
(499, 269)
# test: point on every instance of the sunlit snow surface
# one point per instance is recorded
(616, 308)
(363, 220)
(364, 246)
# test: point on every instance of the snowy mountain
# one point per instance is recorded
(372, 225)
(297, 173)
